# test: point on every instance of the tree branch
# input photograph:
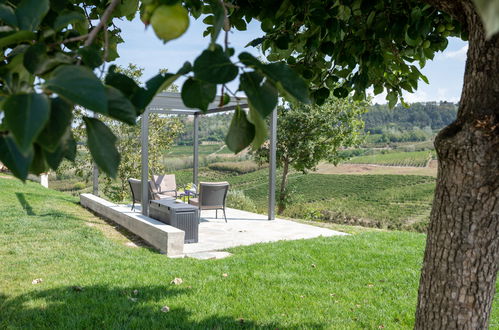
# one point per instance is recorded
(454, 8)
(103, 22)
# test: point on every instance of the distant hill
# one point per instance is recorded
(418, 115)
(379, 119)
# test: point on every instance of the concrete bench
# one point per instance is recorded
(165, 238)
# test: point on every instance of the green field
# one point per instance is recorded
(417, 158)
(204, 149)
(381, 201)
(89, 276)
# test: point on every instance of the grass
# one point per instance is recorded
(380, 201)
(204, 149)
(417, 158)
(366, 280)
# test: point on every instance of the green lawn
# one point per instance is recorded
(366, 280)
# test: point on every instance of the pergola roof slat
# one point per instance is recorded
(171, 103)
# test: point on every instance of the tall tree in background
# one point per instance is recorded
(162, 133)
(307, 135)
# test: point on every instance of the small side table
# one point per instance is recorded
(188, 194)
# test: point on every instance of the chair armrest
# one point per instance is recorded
(165, 191)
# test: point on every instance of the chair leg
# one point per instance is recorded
(216, 214)
(133, 205)
(224, 215)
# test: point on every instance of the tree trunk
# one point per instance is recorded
(281, 204)
(461, 260)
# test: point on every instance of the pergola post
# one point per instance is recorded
(144, 141)
(195, 162)
(95, 179)
(95, 174)
(272, 164)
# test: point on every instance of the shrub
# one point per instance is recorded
(235, 167)
(79, 185)
(238, 200)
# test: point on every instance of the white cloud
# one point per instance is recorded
(459, 54)
(418, 96)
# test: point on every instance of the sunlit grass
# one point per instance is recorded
(90, 275)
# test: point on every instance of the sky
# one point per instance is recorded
(142, 47)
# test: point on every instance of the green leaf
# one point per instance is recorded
(214, 66)
(79, 85)
(31, 12)
(489, 13)
(185, 69)
(7, 15)
(120, 107)
(262, 96)
(70, 150)
(66, 148)
(121, 81)
(218, 19)
(260, 128)
(291, 82)
(59, 122)
(92, 55)
(16, 37)
(39, 163)
(198, 94)
(17, 161)
(241, 132)
(340, 92)
(126, 8)
(36, 60)
(68, 17)
(26, 115)
(392, 98)
(102, 144)
(411, 42)
(54, 158)
(249, 60)
(143, 96)
(288, 82)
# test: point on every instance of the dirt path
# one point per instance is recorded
(327, 168)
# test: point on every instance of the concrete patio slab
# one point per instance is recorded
(215, 235)
(246, 228)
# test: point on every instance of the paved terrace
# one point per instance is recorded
(246, 228)
(242, 228)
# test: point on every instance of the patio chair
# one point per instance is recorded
(211, 196)
(165, 184)
(136, 189)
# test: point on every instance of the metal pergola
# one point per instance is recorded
(171, 104)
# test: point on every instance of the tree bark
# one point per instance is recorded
(461, 260)
(281, 205)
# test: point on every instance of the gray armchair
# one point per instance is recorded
(165, 184)
(211, 196)
(136, 189)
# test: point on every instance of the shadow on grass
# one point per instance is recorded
(137, 240)
(110, 308)
(24, 203)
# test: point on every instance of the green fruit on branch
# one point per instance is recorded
(170, 22)
(426, 44)
(146, 13)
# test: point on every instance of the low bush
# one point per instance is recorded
(238, 200)
(243, 167)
